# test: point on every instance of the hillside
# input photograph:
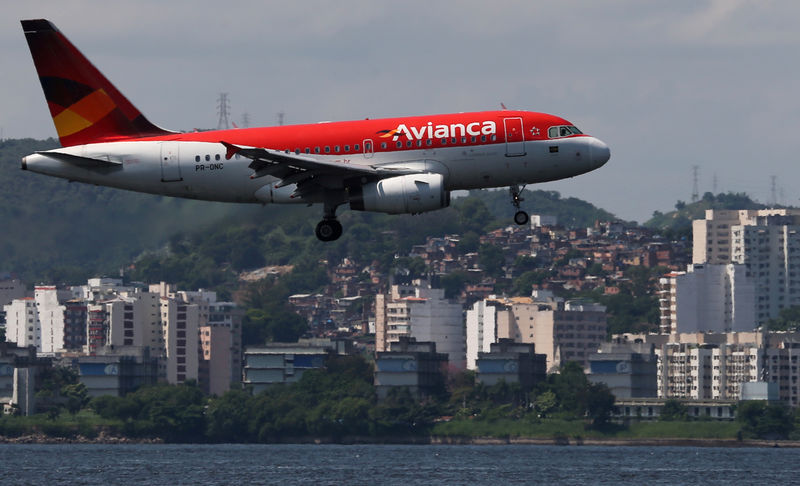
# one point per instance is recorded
(679, 221)
(58, 231)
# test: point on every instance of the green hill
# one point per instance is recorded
(679, 221)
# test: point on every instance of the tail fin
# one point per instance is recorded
(85, 106)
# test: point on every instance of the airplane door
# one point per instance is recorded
(515, 137)
(368, 149)
(170, 165)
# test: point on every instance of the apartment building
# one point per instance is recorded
(423, 313)
(766, 242)
(715, 366)
(561, 330)
(707, 298)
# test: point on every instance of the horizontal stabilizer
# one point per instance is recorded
(88, 162)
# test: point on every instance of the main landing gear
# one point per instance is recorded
(520, 217)
(329, 229)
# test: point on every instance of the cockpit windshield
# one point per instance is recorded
(562, 131)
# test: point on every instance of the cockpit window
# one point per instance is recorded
(562, 131)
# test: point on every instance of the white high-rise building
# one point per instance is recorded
(487, 322)
(713, 298)
(424, 315)
(766, 242)
(22, 323)
(38, 321)
(180, 323)
(51, 319)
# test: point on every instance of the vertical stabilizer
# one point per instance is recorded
(85, 106)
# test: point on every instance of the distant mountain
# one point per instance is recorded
(680, 220)
(571, 212)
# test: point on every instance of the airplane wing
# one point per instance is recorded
(293, 168)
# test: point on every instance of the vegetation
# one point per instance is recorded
(678, 223)
(339, 403)
(788, 320)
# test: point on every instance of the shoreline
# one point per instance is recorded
(432, 440)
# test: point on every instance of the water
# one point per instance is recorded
(389, 464)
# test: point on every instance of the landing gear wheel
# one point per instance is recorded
(329, 230)
(520, 217)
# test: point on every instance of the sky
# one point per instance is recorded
(667, 85)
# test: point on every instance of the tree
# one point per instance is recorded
(545, 403)
(765, 421)
(674, 410)
(599, 403)
(491, 259)
(228, 417)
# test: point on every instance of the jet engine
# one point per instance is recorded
(413, 193)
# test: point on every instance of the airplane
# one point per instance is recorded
(392, 165)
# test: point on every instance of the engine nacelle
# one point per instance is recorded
(413, 193)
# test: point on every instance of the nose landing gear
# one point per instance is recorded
(520, 217)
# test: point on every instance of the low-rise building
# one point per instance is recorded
(280, 363)
(412, 365)
(111, 372)
(512, 363)
(629, 370)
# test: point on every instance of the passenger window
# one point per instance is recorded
(297, 151)
(216, 157)
(356, 147)
(444, 141)
(383, 145)
(308, 150)
(463, 139)
(483, 138)
(419, 143)
(473, 139)
(399, 144)
(336, 149)
(429, 142)
(409, 143)
(494, 137)
(208, 157)
(197, 158)
(454, 140)
(316, 150)
(327, 149)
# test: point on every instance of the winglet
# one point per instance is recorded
(231, 149)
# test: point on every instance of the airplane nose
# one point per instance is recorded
(600, 153)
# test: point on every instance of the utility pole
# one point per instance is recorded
(245, 120)
(695, 189)
(280, 118)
